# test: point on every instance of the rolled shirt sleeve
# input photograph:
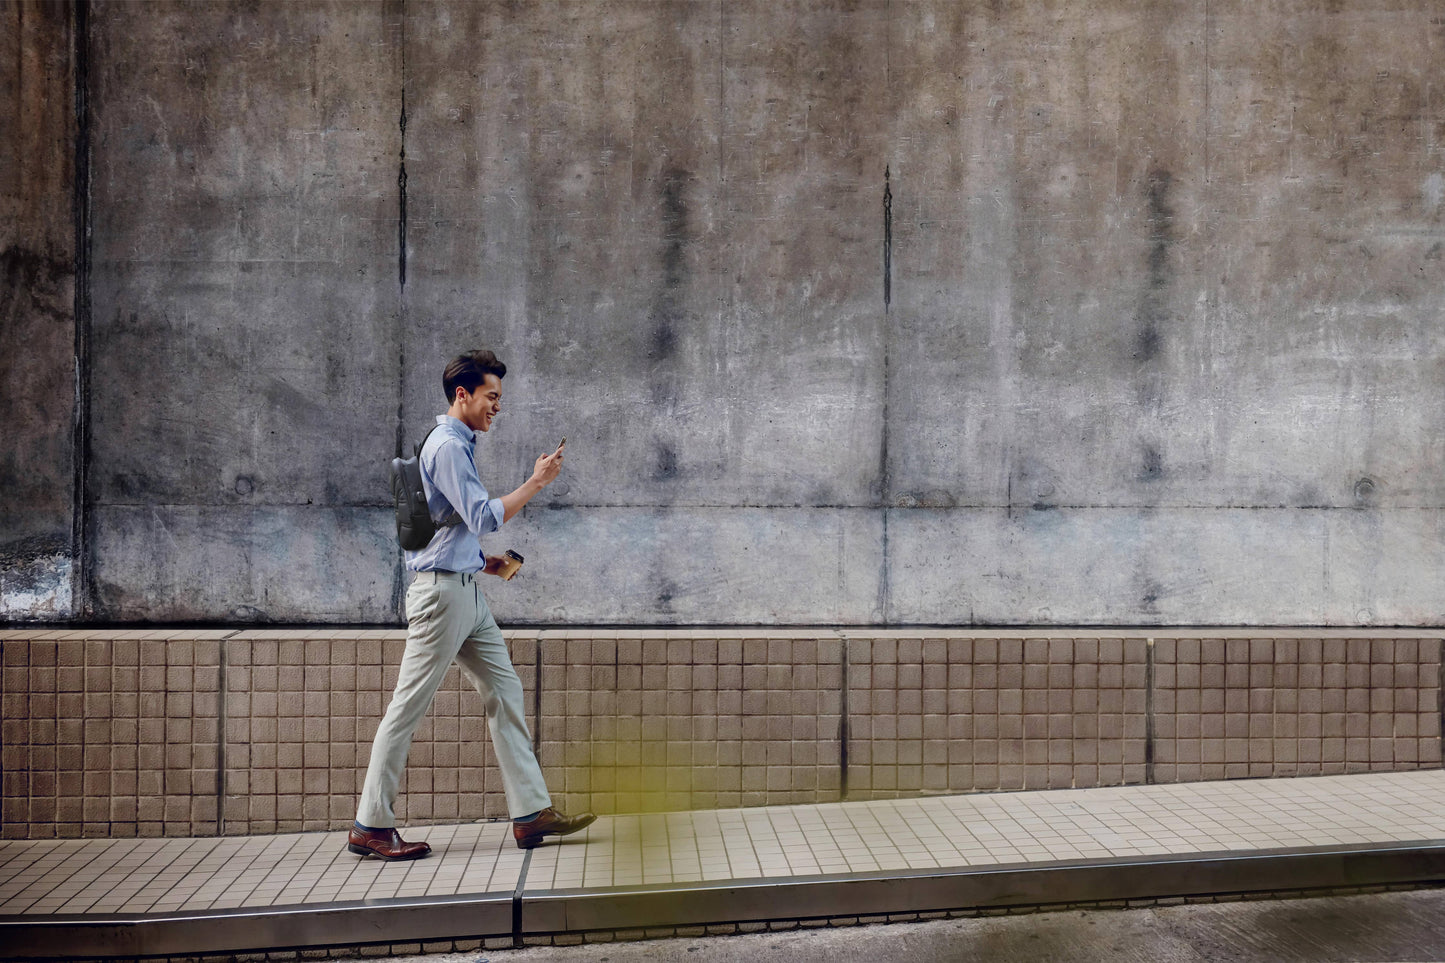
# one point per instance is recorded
(449, 476)
(454, 477)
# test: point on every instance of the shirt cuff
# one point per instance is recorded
(498, 510)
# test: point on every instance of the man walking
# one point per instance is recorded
(447, 619)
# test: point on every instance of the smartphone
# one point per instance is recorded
(561, 445)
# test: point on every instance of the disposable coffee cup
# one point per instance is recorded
(511, 562)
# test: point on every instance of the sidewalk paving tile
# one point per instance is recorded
(151, 876)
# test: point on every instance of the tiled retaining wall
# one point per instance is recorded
(155, 732)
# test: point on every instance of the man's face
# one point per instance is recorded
(479, 407)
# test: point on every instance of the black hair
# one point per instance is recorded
(469, 369)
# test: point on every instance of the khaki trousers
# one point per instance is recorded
(448, 620)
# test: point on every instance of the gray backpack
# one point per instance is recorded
(414, 524)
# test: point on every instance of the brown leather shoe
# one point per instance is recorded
(385, 843)
(549, 822)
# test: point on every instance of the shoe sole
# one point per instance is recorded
(363, 851)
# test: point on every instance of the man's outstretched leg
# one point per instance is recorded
(484, 658)
(440, 612)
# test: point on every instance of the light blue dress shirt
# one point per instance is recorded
(449, 478)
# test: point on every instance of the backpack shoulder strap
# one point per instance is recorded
(454, 518)
(417, 449)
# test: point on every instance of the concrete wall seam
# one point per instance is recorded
(80, 550)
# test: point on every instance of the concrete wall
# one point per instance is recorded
(38, 347)
(852, 313)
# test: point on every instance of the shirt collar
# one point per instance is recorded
(457, 427)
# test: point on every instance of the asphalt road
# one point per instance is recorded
(1397, 927)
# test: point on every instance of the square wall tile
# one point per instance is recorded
(960, 712)
(302, 713)
(1291, 705)
(112, 725)
(657, 721)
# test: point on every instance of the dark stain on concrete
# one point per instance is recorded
(666, 463)
(125, 486)
(106, 598)
(668, 305)
(664, 340)
(667, 590)
(35, 324)
(31, 275)
(674, 226)
(1154, 304)
(1146, 347)
(1151, 464)
(1161, 223)
(667, 312)
(37, 331)
(32, 549)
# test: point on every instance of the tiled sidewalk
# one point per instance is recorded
(138, 878)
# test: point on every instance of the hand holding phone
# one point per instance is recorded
(547, 466)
